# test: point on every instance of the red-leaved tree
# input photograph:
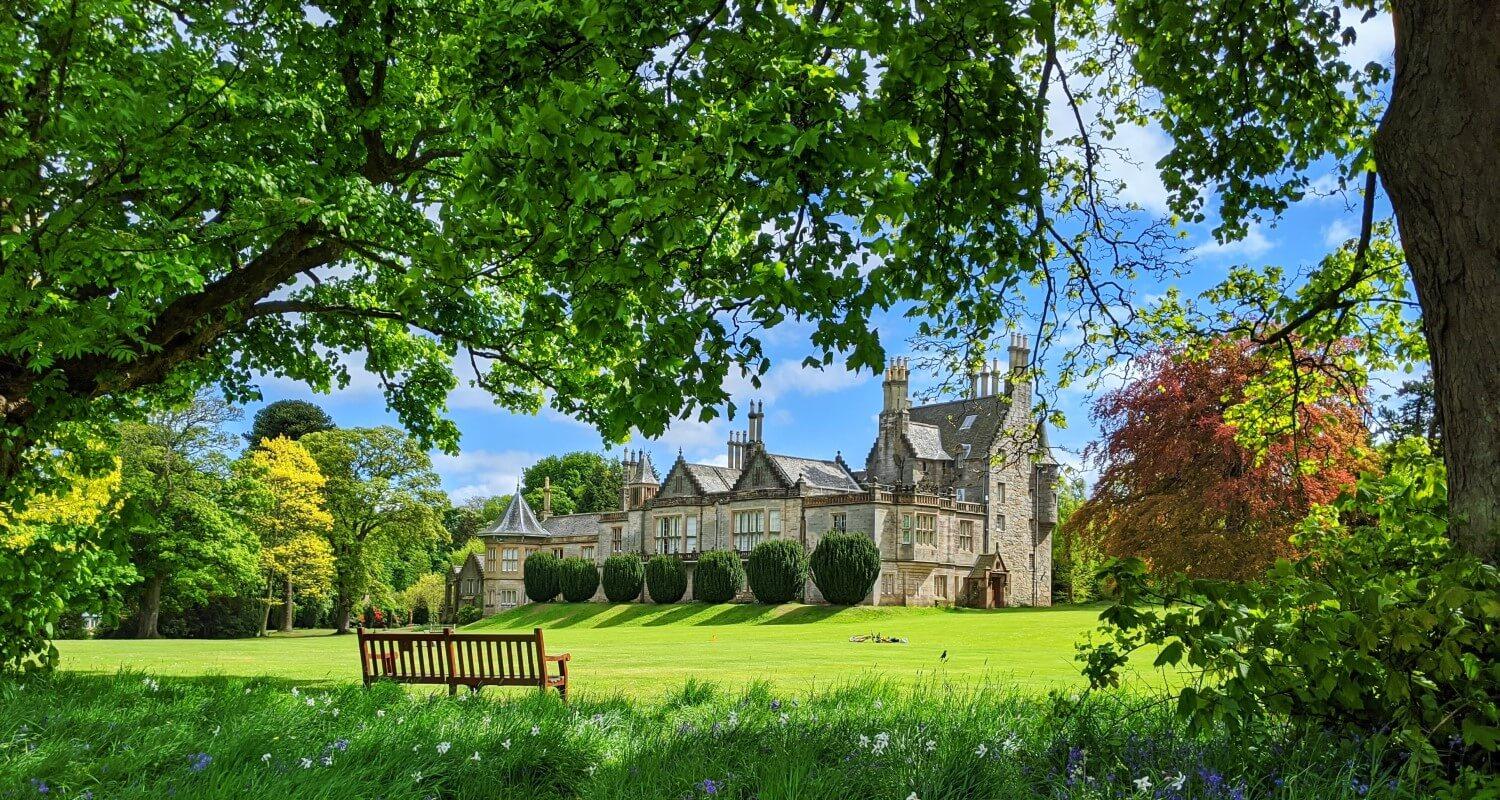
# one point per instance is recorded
(1178, 488)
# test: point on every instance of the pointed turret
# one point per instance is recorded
(518, 519)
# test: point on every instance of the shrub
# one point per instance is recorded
(469, 612)
(543, 576)
(623, 578)
(419, 615)
(845, 566)
(719, 578)
(666, 579)
(579, 579)
(777, 570)
(1382, 629)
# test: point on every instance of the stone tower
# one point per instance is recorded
(888, 463)
(641, 483)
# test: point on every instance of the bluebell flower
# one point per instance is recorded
(341, 745)
(709, 786)
(775, 705)
(40, 786)
(201, 761)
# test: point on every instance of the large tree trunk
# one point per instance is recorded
(265, 616)
(1438, 153)
(287, 608)
(342, 606)
(150, 611)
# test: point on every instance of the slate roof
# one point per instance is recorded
(572, 525)
(713, 479)
(819, 474)
(641, 470)
(926, 441)
(518, 520)
(989, 418)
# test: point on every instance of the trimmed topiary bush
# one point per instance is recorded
(579, 579)
(845, 566)
(777, 570)
(719, 578)
(624, 575)
(543, 576)
(666, 579)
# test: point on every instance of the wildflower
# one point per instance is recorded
(306, 763)
(709, 786)
(379, 712)
(981, 750)
(930, 746)
(442, 747)
(218, 728)
(1010, 745)
(200, 761)
(486, 720)
(879, 705)
(505, 744)
(1180, 779)
(536, 729)
(783, 718)
(734, 719)
(416, 777)
(682, 730)
(335, 713)
(913, 796)
(311, 702)
(265, 758)
(340, 745)
(881, 740)
(864, 741)
(40, 786)
(295, 691)
(1143, 783)
(474, 757)
(416, 747)
(327, 761)
(775, 705)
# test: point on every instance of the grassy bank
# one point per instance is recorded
(132, 736)
(641, 650)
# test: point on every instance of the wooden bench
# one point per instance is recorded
(453, 659)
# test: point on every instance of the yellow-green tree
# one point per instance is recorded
(427, 593)
(293, 524)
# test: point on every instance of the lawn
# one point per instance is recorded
(643, 650)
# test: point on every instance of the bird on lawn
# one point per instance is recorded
(944, 656)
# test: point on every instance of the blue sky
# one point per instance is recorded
(818, 413)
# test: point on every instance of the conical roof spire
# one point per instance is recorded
(1043, 449)
(518, 519)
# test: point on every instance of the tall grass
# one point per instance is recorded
(134, 736)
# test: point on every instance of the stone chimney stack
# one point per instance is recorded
(1018, 384)
(757, 421)
(974, 385)
(896, 384)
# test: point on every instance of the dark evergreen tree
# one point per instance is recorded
(845, 566)
(666, 579)
(624, 576)
(719, 578)
(777, 570)
(579, 579)
(293, 419)
(543, 576)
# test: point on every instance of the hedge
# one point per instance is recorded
(719, 577)
(579, 579)
(777, 570)
(666, 579)
(469, 612)
(845, 566)
(543, 576)
(623, 578)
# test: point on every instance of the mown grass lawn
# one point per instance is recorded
(644, 650)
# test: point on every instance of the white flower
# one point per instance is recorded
(443, 747)
(474, 757)
(486, 720)
(913, 796)
(307, 763)
(881, 741)
(981, 749)
(416, 747)
(416, 777)
(536, 729)
(335, 713)
(1010, 745)
(265, 759)
(400, 720)
(505, 744)
(218, 728)
(295, 691)
(327, 761)
(311, 702)
(734, 719)
(879, 705)
(1143, 783)
(864, 741)
(784, 718)
(1177, 781)
(931, 745)
(379, 712)
(247, 690)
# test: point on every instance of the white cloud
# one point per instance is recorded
(1254, 244)
(792, 378)
(1338, 232)
(480, 473)
(1375, 40)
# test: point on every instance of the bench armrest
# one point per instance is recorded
(563, 657)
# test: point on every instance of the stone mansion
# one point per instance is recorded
(959, 496)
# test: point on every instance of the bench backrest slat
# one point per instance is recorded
(515, 659)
